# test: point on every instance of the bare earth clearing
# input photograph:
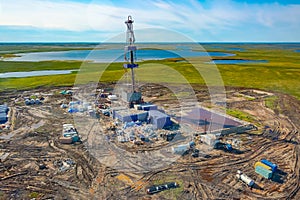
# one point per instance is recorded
(34, 169)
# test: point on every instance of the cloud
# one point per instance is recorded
(191, 16)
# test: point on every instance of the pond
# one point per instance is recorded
(34, 73)
(111, 55)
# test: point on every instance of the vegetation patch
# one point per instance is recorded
(173, 193)
(279, 74)
(33, 195)
(271, 102)
(240, 115)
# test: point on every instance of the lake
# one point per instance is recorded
(34, 73)
(236, 61)
(111, 55)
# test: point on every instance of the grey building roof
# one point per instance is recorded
(157, 114)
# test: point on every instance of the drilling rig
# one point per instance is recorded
(131, 96)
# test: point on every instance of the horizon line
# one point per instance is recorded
(95, 42)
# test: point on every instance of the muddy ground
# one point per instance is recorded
(33, 166)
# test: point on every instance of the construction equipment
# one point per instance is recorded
(69, 134)
(223, 146)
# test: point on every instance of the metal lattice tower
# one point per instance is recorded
(130, 51)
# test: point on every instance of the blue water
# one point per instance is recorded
(227, 48)
(111, 55)
(34, 73)
(236, 61)
(298, 50)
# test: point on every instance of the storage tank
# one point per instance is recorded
(245, 179)
(270, 164)
(37, 101)
(262, 165)
(264, 172)
(27, 102)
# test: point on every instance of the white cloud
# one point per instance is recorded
(162, 5)
(186, 16)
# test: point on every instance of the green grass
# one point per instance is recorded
(240, 115)
(33, 195)
(35, 66)
(270, 102)
(171, 193)
(279, 74)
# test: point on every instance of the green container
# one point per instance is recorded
(263, 172)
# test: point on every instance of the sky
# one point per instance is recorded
(154, 20)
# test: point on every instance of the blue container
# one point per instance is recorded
(4, 108)
(72, 110)
(3, 117)
(134, 117)
(228, 147)
(270, 164)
